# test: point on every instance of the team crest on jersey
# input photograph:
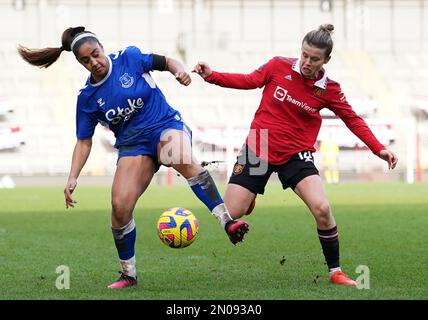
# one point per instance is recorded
(237, 169)
(126, 80)
(318, 91)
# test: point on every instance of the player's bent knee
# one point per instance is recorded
(322, 211)
(121, 206)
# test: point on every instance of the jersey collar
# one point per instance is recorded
(321, 83)
(110, 69)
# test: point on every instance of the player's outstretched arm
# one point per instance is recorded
(203, 69)
(177, 69)
(81, 153)
(389, 157)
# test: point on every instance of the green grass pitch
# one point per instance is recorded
(381, 226)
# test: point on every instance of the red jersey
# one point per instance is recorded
(290, 107)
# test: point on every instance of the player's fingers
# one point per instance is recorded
(196, 68)
(70, 202)
(394, 161)
(187, 80)
(183, 78)
(199, 68)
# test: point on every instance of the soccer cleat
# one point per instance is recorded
(251, 207)
(123, 282)
(236, 230)
(339, 277)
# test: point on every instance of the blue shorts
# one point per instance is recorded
(149, 143)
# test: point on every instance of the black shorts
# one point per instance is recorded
(253, 173)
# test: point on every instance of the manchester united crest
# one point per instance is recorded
(237, 169)
(318, 91)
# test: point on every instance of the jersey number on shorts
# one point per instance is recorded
(307, 156)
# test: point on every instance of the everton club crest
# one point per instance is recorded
(126, 80)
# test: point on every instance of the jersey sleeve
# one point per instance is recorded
(339, 105)
(135, 57)
(85, 121)
(256, 79)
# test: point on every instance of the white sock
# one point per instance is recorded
(333, 270)
(128, 267)
(222, 214)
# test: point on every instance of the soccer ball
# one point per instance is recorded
(177, 227)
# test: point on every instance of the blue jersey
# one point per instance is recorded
(127, 100)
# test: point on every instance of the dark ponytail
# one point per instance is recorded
(321, 38)
(43, 58)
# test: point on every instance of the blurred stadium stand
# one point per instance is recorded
(379, 58)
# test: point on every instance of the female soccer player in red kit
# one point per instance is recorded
(283, 133)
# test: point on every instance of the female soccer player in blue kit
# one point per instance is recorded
(121, 95)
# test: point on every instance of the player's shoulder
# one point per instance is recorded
(283, 62)
(332, 85)
(84, 92)
(129, 51)
(85, 97)
(121, 53)
(275, 63)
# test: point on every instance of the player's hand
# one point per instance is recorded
(68, 190)
(203, 69)
(183, 77)
(389, 157)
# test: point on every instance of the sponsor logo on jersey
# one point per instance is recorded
(281, 94)
(126, 80)
(125, 113)
(288, 77)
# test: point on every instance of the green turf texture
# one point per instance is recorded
(381, 226)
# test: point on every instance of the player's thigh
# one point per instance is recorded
(238, 199)
(311, 190)
(175, 148)
(132, 177)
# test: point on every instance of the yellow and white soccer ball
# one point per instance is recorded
(177, 227)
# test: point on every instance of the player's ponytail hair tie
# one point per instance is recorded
(68, 35)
